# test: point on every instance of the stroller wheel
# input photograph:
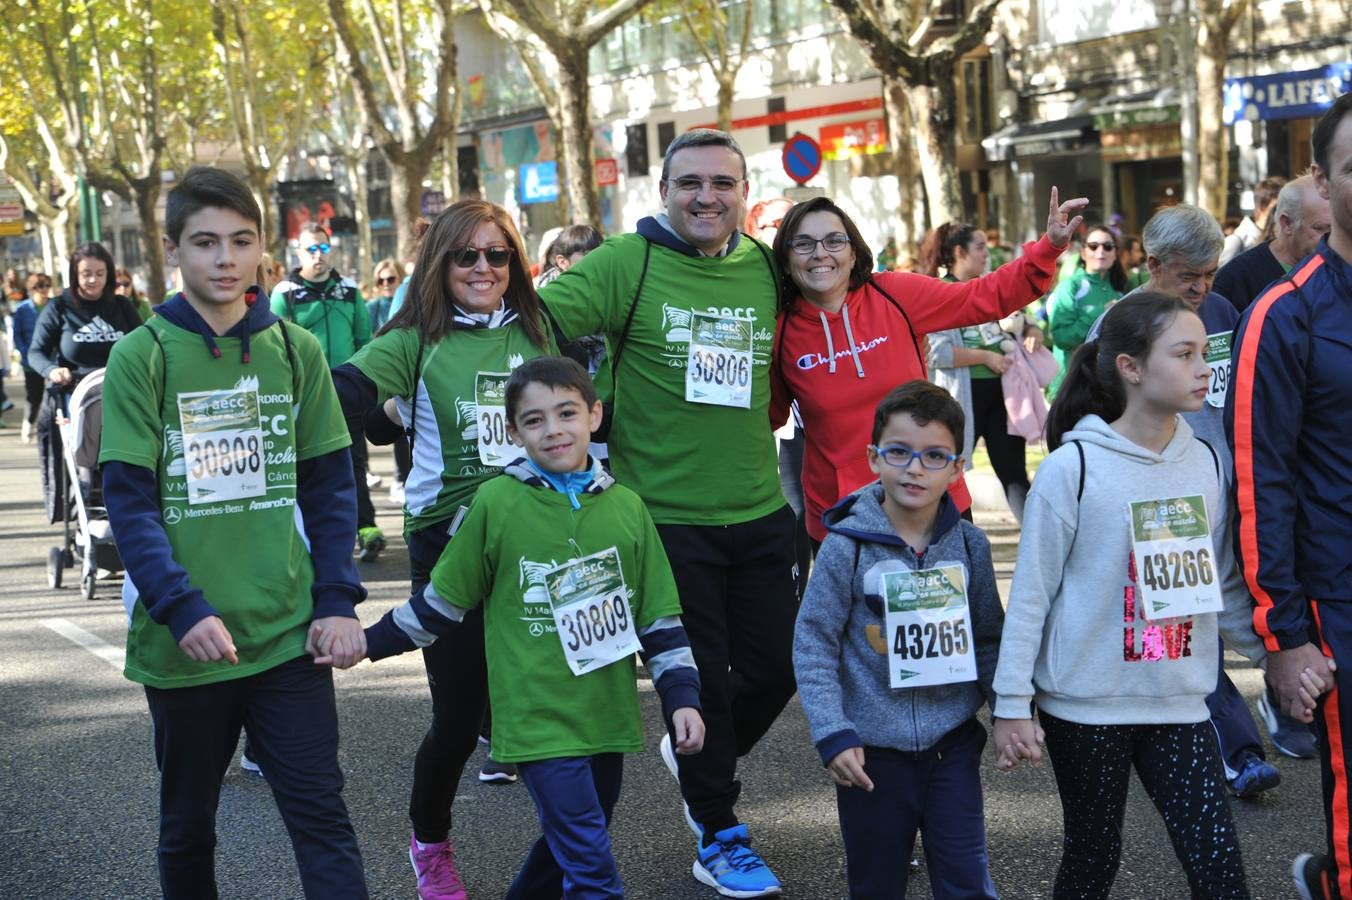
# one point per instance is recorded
(55, 563)
(87, 586)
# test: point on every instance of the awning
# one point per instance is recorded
(1038, 138)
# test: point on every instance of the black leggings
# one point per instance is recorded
(991, 422)
(457, 676)
(1179, 768)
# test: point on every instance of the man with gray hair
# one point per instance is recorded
(1182, 245)
(684, 296)
(1301, 218)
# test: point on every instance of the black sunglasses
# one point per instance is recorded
(388, 279)
(468, 257)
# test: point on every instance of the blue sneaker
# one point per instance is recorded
(1257, 776)
(732, 868)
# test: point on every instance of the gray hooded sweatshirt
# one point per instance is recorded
(840, 643)
(1075, 637)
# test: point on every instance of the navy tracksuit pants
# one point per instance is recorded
(1237, 735)
(937, 792)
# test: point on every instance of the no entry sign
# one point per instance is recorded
(802, 158)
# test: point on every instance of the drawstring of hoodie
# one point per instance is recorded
(831, 346)
(849, 336)
(250, 298)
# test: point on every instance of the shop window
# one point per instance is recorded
(666, 133)
(977, 101)
(636, 150)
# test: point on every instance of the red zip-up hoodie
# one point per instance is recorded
(839, 365)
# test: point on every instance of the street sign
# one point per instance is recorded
(802, 158)
(607, 173)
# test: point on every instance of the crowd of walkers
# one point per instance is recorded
(589, 475)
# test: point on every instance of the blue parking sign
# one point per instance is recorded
(539, 182)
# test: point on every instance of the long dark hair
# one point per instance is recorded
(428, 305)
(788, 230)
(1093, 385)
(939, 249)
(99, 253)
(1117, 275)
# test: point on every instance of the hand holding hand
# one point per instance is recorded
(847, 769)
(689, 728)
(1060, 227)
(59, 375)
(337, 641)
(1289, 671)
(209, 641)
(1016, 739)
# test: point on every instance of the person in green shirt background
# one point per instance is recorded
(1078, 301)
(331, 308)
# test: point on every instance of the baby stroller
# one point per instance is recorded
(87, 534)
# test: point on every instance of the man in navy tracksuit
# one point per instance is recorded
(1288, 424)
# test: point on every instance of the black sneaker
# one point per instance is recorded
(1313, 876)
(494, 772)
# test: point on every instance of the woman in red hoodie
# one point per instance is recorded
(846, 336)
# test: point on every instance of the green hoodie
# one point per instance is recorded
(333, 311)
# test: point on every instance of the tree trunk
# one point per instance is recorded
(575, 111)
(934, 109)
(361, 212)
(1213, 171)
(146, 192)
(727, 82)
(260, 185)
(903, 161)
(408, 171)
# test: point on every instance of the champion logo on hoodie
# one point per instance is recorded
(812, 360)
(96, 331)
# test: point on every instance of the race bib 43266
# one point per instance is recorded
(1175, 558)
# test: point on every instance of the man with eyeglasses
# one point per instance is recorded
(688, 307)
(331, 308)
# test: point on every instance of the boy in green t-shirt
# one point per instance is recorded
(230, 493)
(573, 580)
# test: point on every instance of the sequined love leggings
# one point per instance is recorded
(1181, 772)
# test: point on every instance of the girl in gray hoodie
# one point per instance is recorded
(1123, 576)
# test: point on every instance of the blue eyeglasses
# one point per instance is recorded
(899, 456)
(318, 248)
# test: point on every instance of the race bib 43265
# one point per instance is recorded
(930, 627)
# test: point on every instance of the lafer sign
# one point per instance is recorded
(1288, 95)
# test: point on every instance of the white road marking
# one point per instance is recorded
(113, 656)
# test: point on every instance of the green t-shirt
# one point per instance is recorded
(1074, 307)
(512, 535)
(692, 463)
(986, 336)
(447, 469)
(248, 556)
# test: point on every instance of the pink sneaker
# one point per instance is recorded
(434, 864)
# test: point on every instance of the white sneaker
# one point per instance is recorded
(397, 493)
(669, 760)
(26, 432)
(372, 480)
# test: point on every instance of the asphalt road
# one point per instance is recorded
(78, 782)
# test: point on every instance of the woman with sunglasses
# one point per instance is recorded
(471, 316)
(124, 286)
(846, 336)
(1078, 301)
(387, 277)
